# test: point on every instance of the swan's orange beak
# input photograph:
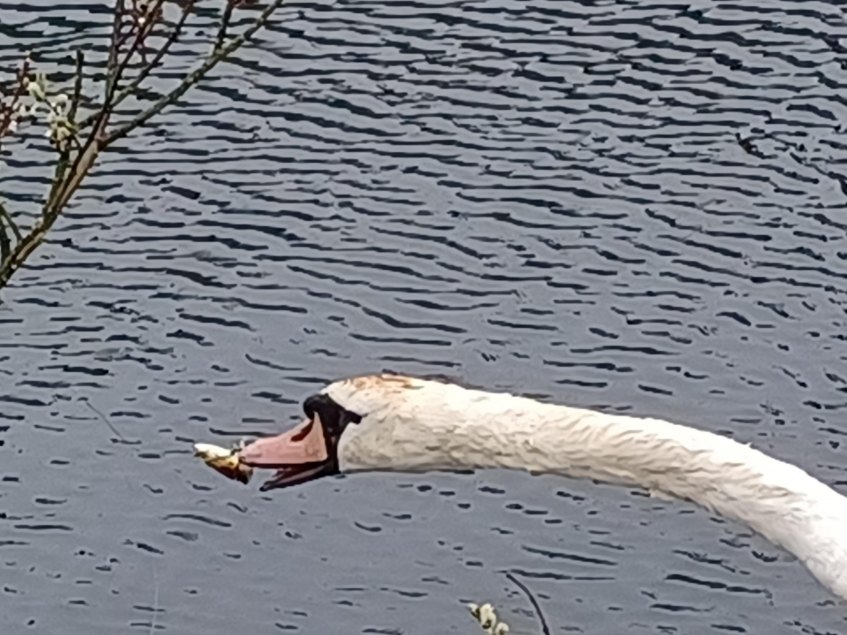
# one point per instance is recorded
(300, 455)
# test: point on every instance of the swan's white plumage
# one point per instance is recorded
(412, 424)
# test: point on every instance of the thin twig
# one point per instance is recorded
(21, 252)
(130, 88)
(75, 163)
(111, 65)
(80, 62)
(126, 36)
(87, 154)
(59, 174)
(106, 421)
(58, 180)
(545, 629)
(12, 109)
(64, 187)
(192, 78)
(4, 215)
(110, 99)
(5, 243)
(225, 18)
(155, 601)
(145, 28)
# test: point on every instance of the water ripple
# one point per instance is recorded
(632, 206)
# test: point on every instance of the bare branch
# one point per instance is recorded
(5, 243)
(90, 149)
(145, 25)
(111, 100)
(21, 252)
(80, 61)
(192, 78)
(75, 159)
(63, 187)
(58, 181)
(117, 28)
(71, 177)
(64, 152)
(10, 111)
(225, 18)
(130, 88)
(4, 215)
(545, 629)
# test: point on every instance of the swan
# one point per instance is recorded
(394, 422)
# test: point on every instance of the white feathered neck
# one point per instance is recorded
(414, 425)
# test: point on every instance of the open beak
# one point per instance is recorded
(300, 455)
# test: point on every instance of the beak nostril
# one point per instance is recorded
(302, 434)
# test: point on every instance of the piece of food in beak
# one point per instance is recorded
(227, 462)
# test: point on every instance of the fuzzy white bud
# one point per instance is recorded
(35, 90)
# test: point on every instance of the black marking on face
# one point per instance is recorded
(333, 417)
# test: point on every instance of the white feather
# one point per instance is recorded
(415, 425)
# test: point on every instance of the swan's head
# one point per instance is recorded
(405, 424)
(308, 451)
(349, 425)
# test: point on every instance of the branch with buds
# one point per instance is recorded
(491, 623)
(9, 112)
(79, 130)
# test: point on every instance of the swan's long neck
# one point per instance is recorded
(432, 426)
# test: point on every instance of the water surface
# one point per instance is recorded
(634, 206)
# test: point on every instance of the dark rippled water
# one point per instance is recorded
(639, 206)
